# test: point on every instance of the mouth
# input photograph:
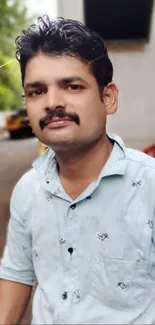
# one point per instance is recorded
(57, 122)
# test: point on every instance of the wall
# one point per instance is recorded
(2, 120)
(72, 9)
(134, 71)
(43, 7)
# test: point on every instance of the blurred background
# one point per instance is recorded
(128, 26)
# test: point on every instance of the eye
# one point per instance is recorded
(37, 92)
(74, 87)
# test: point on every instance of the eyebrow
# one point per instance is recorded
(72, 79)
(65, 80)
(34, 84)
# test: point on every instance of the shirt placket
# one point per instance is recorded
(71, 293)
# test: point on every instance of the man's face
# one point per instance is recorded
(63, 102)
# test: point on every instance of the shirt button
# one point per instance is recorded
(73, 206)
(64, 295)
(70, 250)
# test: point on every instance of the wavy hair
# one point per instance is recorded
(65, 37)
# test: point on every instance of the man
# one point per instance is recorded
(82, 219)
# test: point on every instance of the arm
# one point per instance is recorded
(17, 275)
(14, 298)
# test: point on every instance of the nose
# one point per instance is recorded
(54, 99)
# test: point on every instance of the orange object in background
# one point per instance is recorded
(150, 150)
(17, 124)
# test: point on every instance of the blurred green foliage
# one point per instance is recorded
(13, 19)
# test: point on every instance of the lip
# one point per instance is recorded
(58, 123)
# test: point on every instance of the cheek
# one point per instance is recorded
(84, 105)
(33, 119)
(32, 112)
(92, 111)
(93, 119)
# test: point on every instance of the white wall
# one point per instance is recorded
(41, 7)
(2, 119)
(134, 73)
(72, 9)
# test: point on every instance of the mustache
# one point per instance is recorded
(60, 114)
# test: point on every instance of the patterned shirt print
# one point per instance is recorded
(93, 258)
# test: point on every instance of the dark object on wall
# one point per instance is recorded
(119, 19)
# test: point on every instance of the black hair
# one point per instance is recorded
(65, 37)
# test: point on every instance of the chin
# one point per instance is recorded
(61, 146)
(58, 141)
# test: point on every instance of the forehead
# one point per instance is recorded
(51, 68)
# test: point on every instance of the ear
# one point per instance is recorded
(110, 98)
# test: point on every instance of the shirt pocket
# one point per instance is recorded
(119, 283)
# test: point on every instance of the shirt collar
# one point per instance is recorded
(117, 162)
(46, 165)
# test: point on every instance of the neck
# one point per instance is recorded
(84, 164)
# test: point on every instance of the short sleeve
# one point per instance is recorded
(16, 263)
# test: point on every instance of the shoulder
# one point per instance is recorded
(25, 190)
(27, 182)
(140, 158)
(140, 163)
(135, 158)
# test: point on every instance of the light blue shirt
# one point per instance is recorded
(94, 257)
